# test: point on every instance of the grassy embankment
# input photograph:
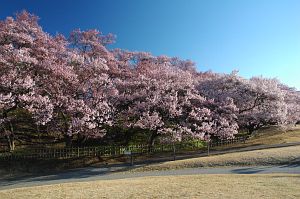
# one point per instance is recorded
(195, 186)
(269, 136)
(272, 156)
(259, 157)
(275, 156)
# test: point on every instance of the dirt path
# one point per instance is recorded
(92, 174)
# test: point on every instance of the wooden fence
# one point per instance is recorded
(104, 151)
(4, 148)
(109, 151)
(229, 141)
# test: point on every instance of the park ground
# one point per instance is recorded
(189, 186)
(266, 166)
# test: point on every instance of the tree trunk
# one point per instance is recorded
(251, 129)
(11, 137)
(174, 151)
(81, 139)
(128, 135)
(68, 140)
(9, 132)
(11, 142)
(151, 141)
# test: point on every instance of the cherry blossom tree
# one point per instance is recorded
(292, 101)
(160, 98)
(80, 88)
(94, 65)
(41, 74)
(260, 100)
(23, 70)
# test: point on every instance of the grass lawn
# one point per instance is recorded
(272, 156)
(193, 186)
(276, 136)
(268, 136)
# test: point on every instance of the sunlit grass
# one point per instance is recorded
(194, 186)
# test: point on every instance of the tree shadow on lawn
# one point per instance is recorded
(54, 177)
(294, 163)
(254, 170)
(74, 175)
(96, 171)
(248, 170)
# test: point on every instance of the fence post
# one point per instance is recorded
(78, 152)
(131, 159)
(174, 151)
(208, 143)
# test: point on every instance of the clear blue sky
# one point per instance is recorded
(256, 37)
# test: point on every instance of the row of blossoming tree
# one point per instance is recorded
(76, 87)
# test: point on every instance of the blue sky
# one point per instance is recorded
(256, 37)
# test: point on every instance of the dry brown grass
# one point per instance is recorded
(272, 156)
(276, 136)
(193, 186)
(269, 136)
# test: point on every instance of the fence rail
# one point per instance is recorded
(104, 151)
(109, 151)
(4, 149)
(229, 141)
